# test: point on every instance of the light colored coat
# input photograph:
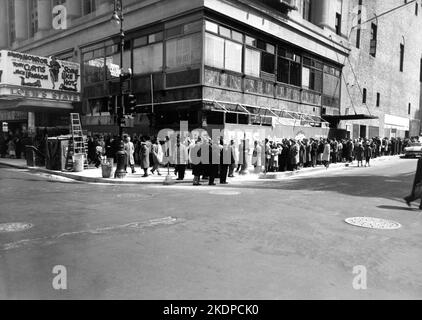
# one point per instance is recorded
(327, 152)
(130, 150)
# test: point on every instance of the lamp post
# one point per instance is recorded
(118, 19)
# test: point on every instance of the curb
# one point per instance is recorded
(270, 176)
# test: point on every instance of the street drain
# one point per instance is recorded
(373, 223)
(14, 227)
(225, 193)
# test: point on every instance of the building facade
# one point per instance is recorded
(286, 67)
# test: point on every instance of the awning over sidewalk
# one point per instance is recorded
(281, 116)
(330, 118)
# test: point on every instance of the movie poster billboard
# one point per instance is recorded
(40, 77)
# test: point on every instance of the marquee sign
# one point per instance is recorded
(39, 77)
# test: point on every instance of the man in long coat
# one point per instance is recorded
(418, 178)
(130, 150)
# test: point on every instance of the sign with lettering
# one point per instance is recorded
(39, 77)
(5, 127)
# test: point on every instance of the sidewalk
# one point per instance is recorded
(94, 175)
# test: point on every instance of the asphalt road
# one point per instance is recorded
(264, 240)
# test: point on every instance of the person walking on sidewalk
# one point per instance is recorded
(326, 154)
(226, 160)
(235, 157)
(418, 179)
(129, 150)
(181, 159)
(144, 152)
(195, 160)
(157, 156)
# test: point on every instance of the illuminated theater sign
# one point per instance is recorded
(28, 76)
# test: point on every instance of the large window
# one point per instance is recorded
(148, 53)
(331, 87)
(312, 74)
(112, 59)
(289, 68)
(148, 59)
(93, 63)
(183, 52)
(223, 48)
(252, 62)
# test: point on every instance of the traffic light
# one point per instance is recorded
(131, 109)
(111, 105)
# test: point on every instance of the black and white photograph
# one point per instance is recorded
(229, 151)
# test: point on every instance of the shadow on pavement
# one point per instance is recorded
(397, 208)
(357, 185)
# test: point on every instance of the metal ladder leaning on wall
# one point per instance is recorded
(77, 145)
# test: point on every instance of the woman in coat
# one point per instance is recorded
(326, 154)
(418, 179)
(359, 153)
(144, 152)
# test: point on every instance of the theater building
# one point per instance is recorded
(282, 66)
(37, 92)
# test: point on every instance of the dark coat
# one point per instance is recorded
(418, 175)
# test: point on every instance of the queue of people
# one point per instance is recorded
(225, 158)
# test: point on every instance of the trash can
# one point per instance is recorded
(30, 156)
(78, 162)
(107, 167)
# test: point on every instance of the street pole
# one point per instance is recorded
(119, 19)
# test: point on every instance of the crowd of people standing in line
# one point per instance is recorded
(265, 156)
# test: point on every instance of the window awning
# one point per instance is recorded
(282, 116)
(331, 118)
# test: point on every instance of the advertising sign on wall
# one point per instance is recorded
(40, 77)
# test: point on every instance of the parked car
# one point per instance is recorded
(414, 150)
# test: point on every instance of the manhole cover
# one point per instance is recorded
(225, 193)
(15, 227)
(373, 223)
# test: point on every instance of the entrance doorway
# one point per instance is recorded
(362, 131)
